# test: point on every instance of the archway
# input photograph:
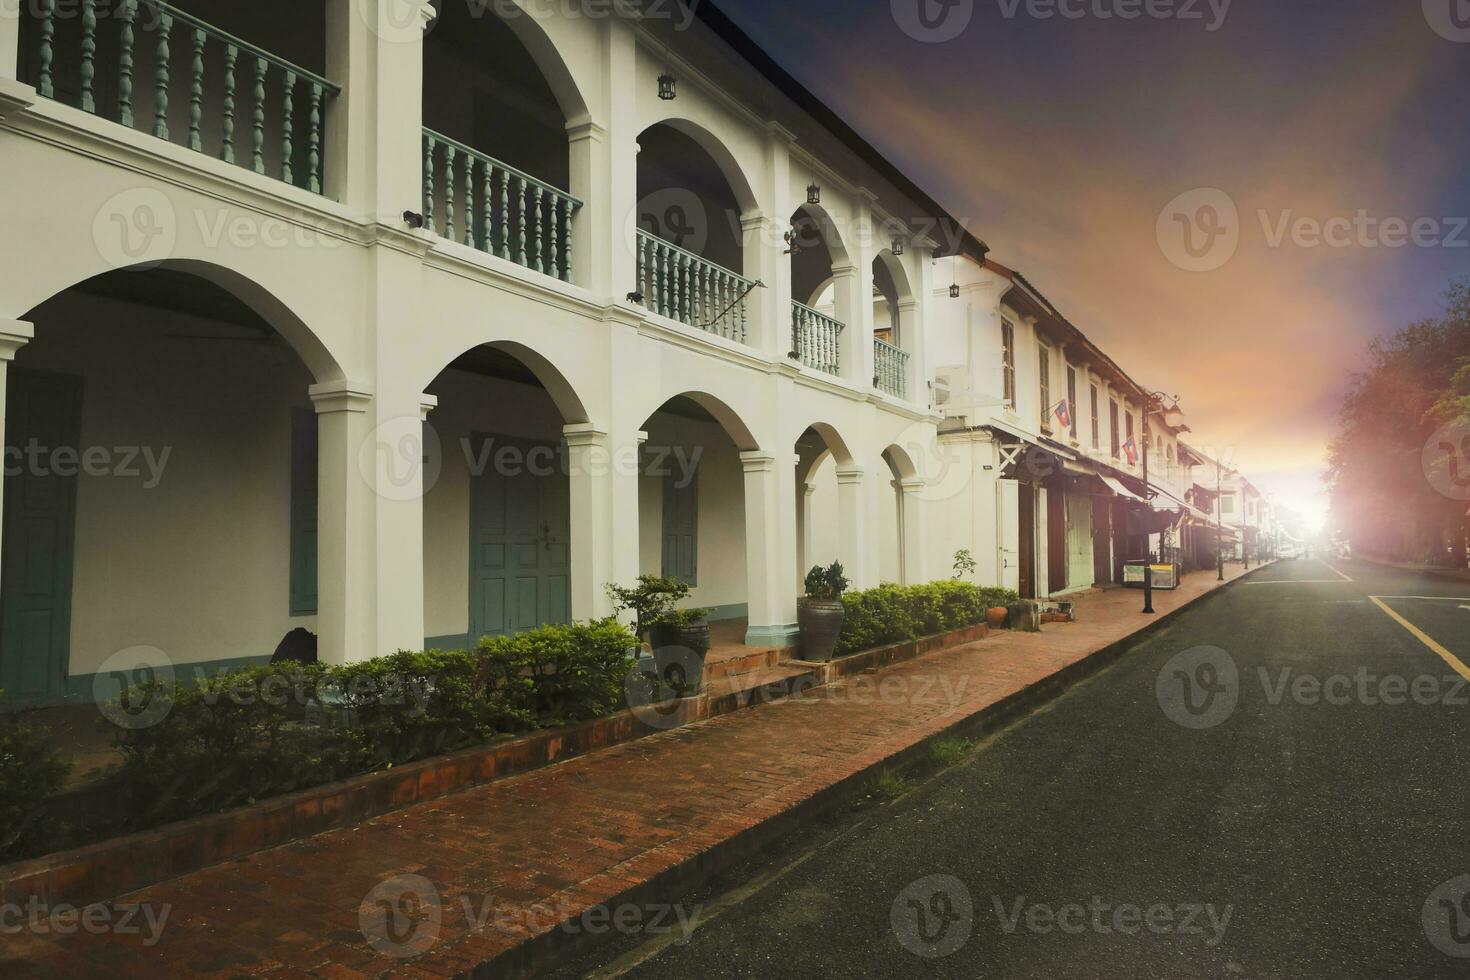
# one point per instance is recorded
(691, 495)
(830, 505)
(900, 524)
(499, 498)
(161, 479)
(690, 245)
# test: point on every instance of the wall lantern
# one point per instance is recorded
(668, 87)
(954, 291)
(813, 194)
(897, 247)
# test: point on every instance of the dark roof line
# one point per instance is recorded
(745, 46)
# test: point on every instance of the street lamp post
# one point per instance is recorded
(1153, 403)
(1219, 524)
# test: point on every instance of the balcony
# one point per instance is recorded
(491, 206)
(696, 292)
(816, 339)
(153, 67)
(890, 368)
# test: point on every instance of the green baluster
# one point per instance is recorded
(288, 105)
(44, 9)
(553, 238)
(257, 135)
(227, 123)
(89, 53)
(160, 78)
(429, 145)
(534, 212)
(568, 216)
(487, 207)
(663, 278)
(741, 305)
(502, 227)
(469, 200)
(450, 156)
(681, 311)
(196, 92)
(520, 199)
(314, 141)
(125, 13)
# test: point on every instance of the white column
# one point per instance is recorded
(770, 548)
(590, 462)
(375, 51)
(912, 527)
(10, 38)
(852, 526)
(592, 232)
(14, 334)
(804, 530)
(614, 214)
(345, 538)
(769, 304)
(406, 460)
(911, 339)
(848, 300)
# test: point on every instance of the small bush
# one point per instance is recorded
(889, 785)
(894, 614)
(31, 772)
(260, 732)
(946, 752)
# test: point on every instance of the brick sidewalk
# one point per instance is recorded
(530, 851)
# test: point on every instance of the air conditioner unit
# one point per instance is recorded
(949, 389)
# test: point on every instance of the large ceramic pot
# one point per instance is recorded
(679, 652)
(821, 624)
(996, 616)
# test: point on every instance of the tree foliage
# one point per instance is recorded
(1416, 380)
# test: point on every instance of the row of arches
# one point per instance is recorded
(210, 544)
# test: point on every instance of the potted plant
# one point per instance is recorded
(681, 641)
(820, 613)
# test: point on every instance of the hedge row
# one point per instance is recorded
(264, 731)
(894, 613)
(31, 771)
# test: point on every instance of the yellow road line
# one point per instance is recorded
(1425, 639)
(1335, 571)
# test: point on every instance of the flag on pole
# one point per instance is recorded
(1064, 414)
(1131, 449)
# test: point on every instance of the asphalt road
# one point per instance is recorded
(1305, 817)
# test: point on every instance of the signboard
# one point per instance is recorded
(1165, 576)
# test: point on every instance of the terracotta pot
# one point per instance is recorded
(679, 653)
(996, 616)
(821, 624)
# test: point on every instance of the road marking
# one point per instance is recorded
(1334, 570)
(1301, 581)
(1425, 639)
(1429, 598)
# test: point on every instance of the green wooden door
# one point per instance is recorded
(43, 414)
(520, 539)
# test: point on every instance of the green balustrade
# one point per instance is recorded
(213, 58)
(890, 368)
(496, 208)
(816, 338)
(689, 288)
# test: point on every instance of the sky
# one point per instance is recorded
(1330, 138)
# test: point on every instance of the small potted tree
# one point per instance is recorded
(820, 613)
(678, 638)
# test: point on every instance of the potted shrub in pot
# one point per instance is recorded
(681, 641)
(820, 613)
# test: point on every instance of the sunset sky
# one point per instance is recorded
(1059, 142)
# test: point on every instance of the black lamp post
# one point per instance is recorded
(1153, 404)
(1219, 526)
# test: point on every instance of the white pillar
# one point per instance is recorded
(770, 546)
(913, 528)
(852, 525)
(613, 215)
(770, 303)
(345, 539)
(590, 461)
(911, 339)
(375, 51)
(406, 458)
(14, 334)
(592, 234)
(804, 530)
(10, 38)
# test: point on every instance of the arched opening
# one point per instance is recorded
(160, 482)
(497, 101)
(690, 245)
(892, 304)
(828, 502)
(818, 308)
(896, 521)
(691, 497)
(498, 497)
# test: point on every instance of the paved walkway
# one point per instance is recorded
(513, 859)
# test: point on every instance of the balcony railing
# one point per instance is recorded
(890, 368)
(693, 290)
(492, 206)
(265, 114)
(816, 338)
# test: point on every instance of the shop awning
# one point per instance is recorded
(1117, 487)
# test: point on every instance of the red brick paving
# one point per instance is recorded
(531, 850)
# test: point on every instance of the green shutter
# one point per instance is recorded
(303, 512)
(681, 529)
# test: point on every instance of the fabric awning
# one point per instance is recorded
(1118, 488)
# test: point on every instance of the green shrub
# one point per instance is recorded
(263, 731)
(894, 614)
(31, 772)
